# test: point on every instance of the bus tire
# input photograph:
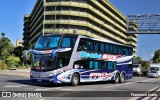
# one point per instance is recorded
(75, 80)
(116, 79)
(122, 78)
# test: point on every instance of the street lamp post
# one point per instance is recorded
(55, 9)
(140, 50)
(100, 32)
(44, 17)
(150, 55)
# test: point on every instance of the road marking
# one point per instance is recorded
(147, 98)
(46, 89)
(3, 90)
(67, 89)
(42, 99)
(28, 88)
(154, 88)
(129, 83)
(14, 86)
(119, 85)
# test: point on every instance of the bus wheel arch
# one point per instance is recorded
(122, 77)
(75, 79)
(116, 78)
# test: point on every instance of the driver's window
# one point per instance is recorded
(62, 62)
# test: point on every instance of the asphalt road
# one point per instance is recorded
(22, 83)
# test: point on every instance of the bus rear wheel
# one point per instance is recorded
(122, 78)
(117, 78)
(75, 80)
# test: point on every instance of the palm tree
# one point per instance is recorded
(3, 34)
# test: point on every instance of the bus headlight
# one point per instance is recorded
(57, 72)
(50, 75)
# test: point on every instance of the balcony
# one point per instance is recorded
(82, 5)
(114, 9)
(83, 14)
(132, 43)
(83, 23)
(132, 38)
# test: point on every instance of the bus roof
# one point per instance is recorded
(85, 36)
(108, 41)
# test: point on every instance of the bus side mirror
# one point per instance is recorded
(27, 52)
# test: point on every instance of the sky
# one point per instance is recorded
(149, 43)
(11, 17)
(12, 13)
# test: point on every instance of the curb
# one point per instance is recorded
(24, 73)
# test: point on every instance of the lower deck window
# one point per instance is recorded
(95, 64)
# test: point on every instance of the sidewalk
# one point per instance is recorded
(18, 72)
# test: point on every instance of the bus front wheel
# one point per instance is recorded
(75, 80)
(117, 78)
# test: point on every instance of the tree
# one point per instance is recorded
(6, 47)
(3, 34)
(18, 51)
(144, 64)
(138, 59)
(12, 61)
(156, 58)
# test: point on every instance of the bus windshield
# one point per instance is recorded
(43, 63)
(47, 42)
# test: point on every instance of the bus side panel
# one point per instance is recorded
(127, 69)
(97, 75)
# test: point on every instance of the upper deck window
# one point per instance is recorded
(68, 41)
(47, 42)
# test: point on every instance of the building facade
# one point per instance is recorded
(19, 43)
(95, 18)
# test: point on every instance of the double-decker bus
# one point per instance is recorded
(71, 58)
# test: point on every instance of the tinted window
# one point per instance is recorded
(107, 48)
(102, 47)
(112, 65)
(93, 64)
(47, 42)
(68, 42)
(95, 46)
(103, 65)
(119, 50)
(62, 62)
(130, 51)
(111, 48)
(84, 44)
(115, 51)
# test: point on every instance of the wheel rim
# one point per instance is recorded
(75, 80)
(117, 79)
(122, 77)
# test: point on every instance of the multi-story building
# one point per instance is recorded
(19, 43)
(95, 18)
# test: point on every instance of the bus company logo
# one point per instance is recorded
(6, 94)
(110, 57)
(99, 75)
(90, 55)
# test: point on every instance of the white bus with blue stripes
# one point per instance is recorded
(71, 58)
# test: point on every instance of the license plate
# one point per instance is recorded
(39, 80)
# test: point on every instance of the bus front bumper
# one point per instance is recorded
(42, 79)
